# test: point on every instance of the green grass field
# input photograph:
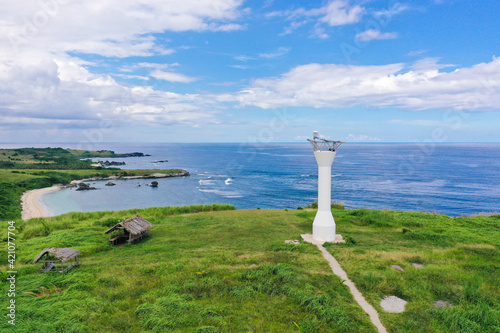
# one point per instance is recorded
(214, 269)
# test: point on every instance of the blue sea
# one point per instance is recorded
(452, 179)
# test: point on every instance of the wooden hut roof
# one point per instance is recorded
(135, 225)
(64, 254)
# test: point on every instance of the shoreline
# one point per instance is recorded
(156, 175)
(33, 207)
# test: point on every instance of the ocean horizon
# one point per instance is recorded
(447, 178)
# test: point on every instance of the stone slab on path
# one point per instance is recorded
(393, 304)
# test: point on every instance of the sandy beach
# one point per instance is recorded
(32, 204)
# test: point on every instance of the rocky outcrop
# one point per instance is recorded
(135, 154)
(110, 184)
(108, 163)
(180, 173)
(85, 187)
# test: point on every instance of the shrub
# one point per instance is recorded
(314, 205)
(337, 205)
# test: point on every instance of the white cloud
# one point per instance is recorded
(319, 32)
(147, 66)
(361, 137)
(373, 34)
(281, 51)
(334, 13)
(41, 84)
(278, 53)
(244, 58)
(420, 122)
(429, 63)
(339, 12)
(393, 85)
(126, 76)
(292, 27)
(118, 28)
(240, 66)
(53, 92)
(172, 77)
(395, 9)
(417, 52)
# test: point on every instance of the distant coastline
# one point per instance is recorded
(33, 207)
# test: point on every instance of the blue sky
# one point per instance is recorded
(249, 71)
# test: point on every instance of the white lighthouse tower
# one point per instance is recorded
(324, 224)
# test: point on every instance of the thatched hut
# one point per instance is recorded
(52, 257)
(131, 230)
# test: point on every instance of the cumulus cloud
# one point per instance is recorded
(373, 34)
(43, 81)
(109, 27)
(53, 91)
(340, 12)
(395, 9)
(333, 13)
(414, 86)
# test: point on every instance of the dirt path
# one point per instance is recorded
(358, 297)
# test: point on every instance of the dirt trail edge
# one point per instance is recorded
(358, 297)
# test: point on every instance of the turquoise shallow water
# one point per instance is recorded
(446, 178)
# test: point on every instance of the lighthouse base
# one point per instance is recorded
(309, 238)
(324, 226)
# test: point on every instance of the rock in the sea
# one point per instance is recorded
(84, 187)
(110, 184)
(134, 154)
(154, 184)
(398, 268)
(393, 304)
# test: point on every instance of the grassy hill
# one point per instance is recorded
(216, 269)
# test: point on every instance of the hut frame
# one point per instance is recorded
(53, 259)
(131, 230)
